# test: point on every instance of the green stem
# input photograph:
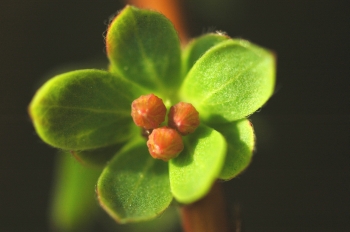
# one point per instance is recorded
(208, 214)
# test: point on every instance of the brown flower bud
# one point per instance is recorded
(165, 143)
(148, 111)
(183, 117)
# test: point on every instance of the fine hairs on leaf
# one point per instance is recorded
(164, 122)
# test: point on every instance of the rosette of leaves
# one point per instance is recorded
(87, 112)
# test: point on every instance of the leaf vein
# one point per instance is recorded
(148, 165)
(227, 83)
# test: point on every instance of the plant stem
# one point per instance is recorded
(208, 214)
(171, 9)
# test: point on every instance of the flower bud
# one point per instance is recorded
(164, 143)
(183, 117)
(148, 111)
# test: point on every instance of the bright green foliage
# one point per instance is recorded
(153, 63)
(134, 186)
(240, 140)
(197, 47)
(84, 109)
(74, 202)
(89, 113)
(230, 81)
(193, 172)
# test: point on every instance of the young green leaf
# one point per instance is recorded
(84, 109)
(240, 140)
(143, 46)
(97, 157)
(134, 186)
(197, 47)
(230, 81)
(194, 171)
(74, 204)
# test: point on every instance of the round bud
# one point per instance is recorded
(164, 143)
(148, 111)
(183, 117)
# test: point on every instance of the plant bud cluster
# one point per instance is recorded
(149, 111)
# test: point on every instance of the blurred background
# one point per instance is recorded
(299, 178)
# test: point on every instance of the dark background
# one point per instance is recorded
(299, 178)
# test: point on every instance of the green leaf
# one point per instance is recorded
(230, 81)
(74, 204)
(197, 47)
(134, 186)
(194, 171)
(97, 157)
(240, 140)
(168, 221)
(143, 46)
(84, 109)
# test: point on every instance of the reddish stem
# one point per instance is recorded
(170, 8)
(208, 214)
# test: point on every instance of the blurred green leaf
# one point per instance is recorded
(74, 204)
(230, 81)
(240, 140)
(197, 47)
(134, 187)
(84, 109)
(143, 46)
(194, 171)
